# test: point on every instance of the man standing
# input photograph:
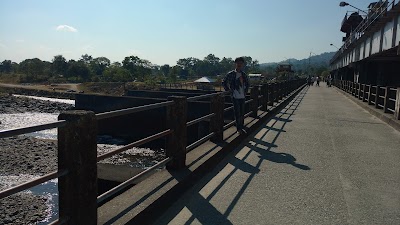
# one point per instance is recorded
(237, 83)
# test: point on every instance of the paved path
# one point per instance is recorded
(321, 160)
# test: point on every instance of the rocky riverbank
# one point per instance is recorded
(12, 104)
(24, 158)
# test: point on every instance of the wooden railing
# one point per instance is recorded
(77, 146)
(386, 98)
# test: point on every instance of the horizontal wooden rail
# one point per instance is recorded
(228, 109)
(190, 123)
(391, 110)
(59, 221)
(248, 101)
(32, 183)
(229, 125)
(199, 142)
(201, 97)
(121, 112)
(31, 129)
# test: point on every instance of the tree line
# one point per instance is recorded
(132, 68)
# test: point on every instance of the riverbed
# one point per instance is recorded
(26, 157)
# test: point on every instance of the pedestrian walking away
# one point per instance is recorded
(237, 83)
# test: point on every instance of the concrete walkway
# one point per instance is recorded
(321, 160)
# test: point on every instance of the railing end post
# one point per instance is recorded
(77, 153)
(176, 142)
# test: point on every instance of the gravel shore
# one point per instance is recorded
(12, 104)
(23, 158)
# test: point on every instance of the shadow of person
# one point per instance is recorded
(278, 157)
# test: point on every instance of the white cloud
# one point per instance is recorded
(20, 41)
(66, 28)
(3, 45)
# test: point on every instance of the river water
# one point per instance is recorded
(143, 157)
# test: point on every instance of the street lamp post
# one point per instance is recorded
(343, 4)
(309, 63)
(334, 46)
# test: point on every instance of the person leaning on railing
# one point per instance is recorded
(237, 83)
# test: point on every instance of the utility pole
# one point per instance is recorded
(309, 63)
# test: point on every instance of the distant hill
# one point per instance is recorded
(321, 60)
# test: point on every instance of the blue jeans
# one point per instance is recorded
(238, 107)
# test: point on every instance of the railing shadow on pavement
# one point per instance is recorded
(264, 148)
(201, 208)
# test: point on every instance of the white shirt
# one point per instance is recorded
(239, 94)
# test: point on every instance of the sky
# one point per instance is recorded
(163, 31)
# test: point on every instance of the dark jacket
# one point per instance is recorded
(230, 82)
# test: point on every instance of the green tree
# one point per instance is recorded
(6, 66)
(78, 71)
(32, 68)
(210, 65)
(60, 65)
(173, 74)
(98, 65)
(226, 65)
(165, 69)
(115, 73)
(138, 67)
(86, 58)
(189, 66)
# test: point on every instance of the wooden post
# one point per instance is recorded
(397, 105)
(217, 121)
(363, 97)
(355, 90)
(176, 142)
(271, 96)
(352, 92)
(358, 88)
(280, 85)
(77, 153)
(370, 95)
(349, 86)
(386, 100)
(264, 99)
(377, 90)
(254, 104)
